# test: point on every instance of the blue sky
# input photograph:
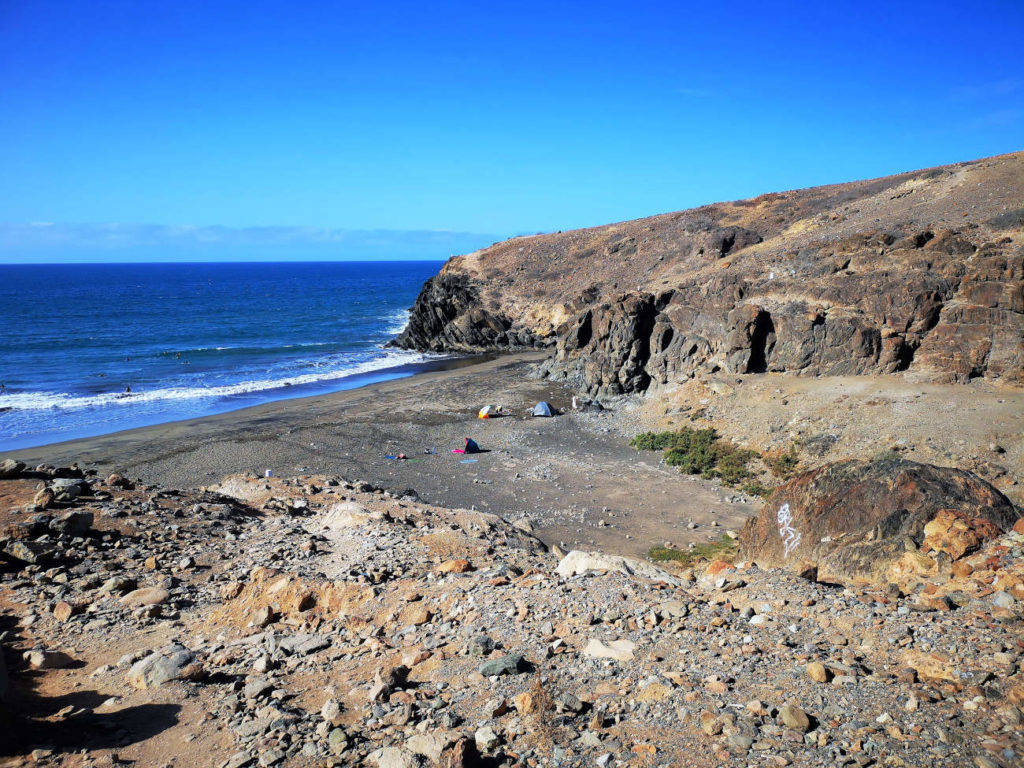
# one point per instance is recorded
(450, 125)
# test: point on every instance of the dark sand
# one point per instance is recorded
(565, 474)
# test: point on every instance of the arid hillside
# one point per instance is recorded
(319, 622)
(923, 271)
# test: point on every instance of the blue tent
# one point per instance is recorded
(542, 409)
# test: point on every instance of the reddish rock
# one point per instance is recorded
(934, 603)
(956, 533)
(717, 568)
(462, 754)
(414, 614)
(230, 590)
(45, 498)
(931, 666)
(64, 610)
(856, 519)
(818, 672)
(146, 596)
(1012, 583)
(119, 481)
(454, 566)
(962, 569)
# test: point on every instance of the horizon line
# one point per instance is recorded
(225, 261)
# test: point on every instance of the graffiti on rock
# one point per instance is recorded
(790, 536)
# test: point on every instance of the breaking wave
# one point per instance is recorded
(42, 401)
(396, 322)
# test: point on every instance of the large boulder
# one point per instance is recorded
(10, 468)
(348, 514)
(577, 563)
(448, 315)
(74, 523)
(175, 662)
(853, 520)
(31, 552)
(67, 489)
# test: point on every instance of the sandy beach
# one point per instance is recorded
(573, 477)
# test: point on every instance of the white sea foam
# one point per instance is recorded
(256, 347)
(42, 401)
(396, 322)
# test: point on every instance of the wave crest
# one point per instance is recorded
(43, 401)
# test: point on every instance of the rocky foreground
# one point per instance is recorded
(316, 621)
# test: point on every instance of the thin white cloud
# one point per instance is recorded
(121, 241)
(997, 118)
(694, 92)
(993, 89)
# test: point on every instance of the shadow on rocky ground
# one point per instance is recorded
(67, 723)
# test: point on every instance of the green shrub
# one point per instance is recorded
(665, 554)
(699, 452)
(754, 488)
(698, 460)
(781, 464)
(731, 463)
(722, 549)
(693, 451)
(654, 441)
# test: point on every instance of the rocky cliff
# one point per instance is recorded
(922, 271)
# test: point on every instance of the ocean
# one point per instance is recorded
(89, 349)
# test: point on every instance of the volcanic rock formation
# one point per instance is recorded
(857, 519)
(922, 271)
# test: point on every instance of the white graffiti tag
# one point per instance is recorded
(790, 536)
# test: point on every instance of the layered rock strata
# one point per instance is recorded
(923, 271)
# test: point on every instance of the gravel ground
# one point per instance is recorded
(314, 621)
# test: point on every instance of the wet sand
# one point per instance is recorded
(574, 476)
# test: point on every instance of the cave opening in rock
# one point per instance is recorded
(904, 355)
(585, 331)
(762, 343)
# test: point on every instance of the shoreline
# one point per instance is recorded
(573, 479)
(134, 435)
(351, 381)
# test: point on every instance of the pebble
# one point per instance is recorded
(818, 672)
(794, 717)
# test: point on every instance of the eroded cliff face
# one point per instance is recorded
(922, 271)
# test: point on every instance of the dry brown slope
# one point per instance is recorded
(923, 270)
